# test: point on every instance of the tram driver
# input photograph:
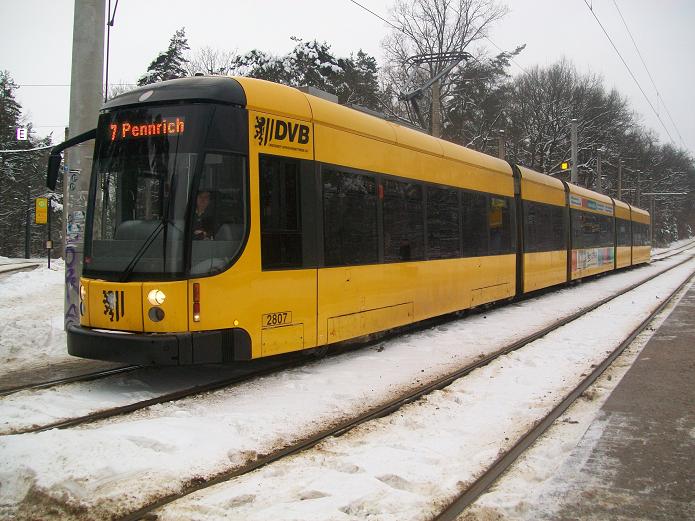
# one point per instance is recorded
(203, 218)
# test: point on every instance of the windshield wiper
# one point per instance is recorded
(145, 245)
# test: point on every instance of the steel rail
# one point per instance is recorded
(493, 472)
(85, 377)
(379, 411)
(164, 398)
(675, 251)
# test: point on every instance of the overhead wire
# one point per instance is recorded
(656, 113)
(651, 78)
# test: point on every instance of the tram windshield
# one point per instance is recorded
(163, 205)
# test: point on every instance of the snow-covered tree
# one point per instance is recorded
(313, 64)
(22, 176)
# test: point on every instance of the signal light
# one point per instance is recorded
(565, 165)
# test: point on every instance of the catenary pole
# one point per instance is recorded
(501, 145)
(573, 135)
(86, 91)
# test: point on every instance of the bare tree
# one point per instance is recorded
(434, 27)
(212, 62)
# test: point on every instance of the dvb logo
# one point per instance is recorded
(270, 129)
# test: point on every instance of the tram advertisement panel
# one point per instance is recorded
(592, 258)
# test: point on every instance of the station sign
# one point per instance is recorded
(22, 133)
(41, 213)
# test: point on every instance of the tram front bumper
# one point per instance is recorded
(205, 347)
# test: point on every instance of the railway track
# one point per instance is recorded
(261, 368)
(83, 377)
(673, 252)
(148, 512)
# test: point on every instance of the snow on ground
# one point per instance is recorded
(118, 465)
(31, 318)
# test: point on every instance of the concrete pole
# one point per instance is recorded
(598, 171)
(501, 145)
(436, 110)
(620, 179)
(574, 176)
(86, 96)
(637, 188)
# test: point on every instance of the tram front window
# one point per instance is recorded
(140, 215)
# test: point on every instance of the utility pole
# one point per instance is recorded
(620, 179)
(86, 91)
(573, 136)
(27, 225)
(637, 188)
(598, 170)
(453, 59)
(501, 145)
(652, 211)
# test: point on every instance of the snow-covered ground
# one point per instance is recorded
(31, 317)
(400, 467)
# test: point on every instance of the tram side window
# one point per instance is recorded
(640, 234)
(591, 230)
(349, 218)
(474, 208)
(500, 224)
(281, 230)
(442, 223)
(623, 232)
(403, 215)
(544, 227)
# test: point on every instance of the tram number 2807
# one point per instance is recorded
(277, 319)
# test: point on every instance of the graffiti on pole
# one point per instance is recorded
(71, 285)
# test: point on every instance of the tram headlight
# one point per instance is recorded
(83, 292)
(156, 297)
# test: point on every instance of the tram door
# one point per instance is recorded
(288, 263)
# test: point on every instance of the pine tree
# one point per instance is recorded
(358, 83)
(171, 63)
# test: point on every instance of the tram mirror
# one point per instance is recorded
(54, 159)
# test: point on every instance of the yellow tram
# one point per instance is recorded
(233, 218)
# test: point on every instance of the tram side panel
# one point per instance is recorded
(274, 283)
(392, 240)
(641, 236)
(591, 233)
(623, 232)
(545, 230)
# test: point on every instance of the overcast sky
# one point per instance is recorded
(36, 39)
